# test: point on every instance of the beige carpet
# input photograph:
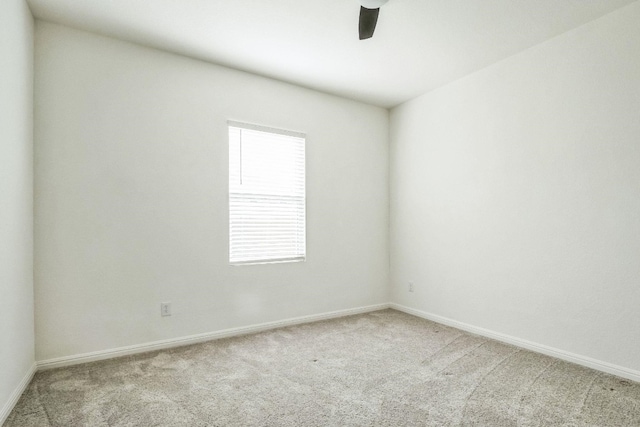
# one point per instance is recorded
(378, 369)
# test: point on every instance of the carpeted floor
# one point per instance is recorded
(379, 369)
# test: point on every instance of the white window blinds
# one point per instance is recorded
(266, 194)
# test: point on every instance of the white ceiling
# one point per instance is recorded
(418, 44)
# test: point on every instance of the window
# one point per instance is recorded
(266, 195)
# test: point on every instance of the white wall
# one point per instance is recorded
(131, 197)
(515, 195)
(16, 197)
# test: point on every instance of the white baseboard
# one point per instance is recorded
(538, 348)
(208, 336)
(192, 339)
(15, 396)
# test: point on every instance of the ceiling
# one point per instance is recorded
(418, 44)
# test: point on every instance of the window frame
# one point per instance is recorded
(232, 124)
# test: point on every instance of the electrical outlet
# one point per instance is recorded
(410, 286)
(165, 309)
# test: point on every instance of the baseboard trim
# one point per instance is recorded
(244, 330)
(15, 396)
(538, 348)
(193, 339)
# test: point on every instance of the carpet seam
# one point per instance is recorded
(526, 393)
(586, 396)
(484, 377)
(438, 351)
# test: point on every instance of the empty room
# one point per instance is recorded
(319, 213)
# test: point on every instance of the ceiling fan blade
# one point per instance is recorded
(368, 21)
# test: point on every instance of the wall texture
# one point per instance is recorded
(16, 197)
(515, 195)
(131, 197)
